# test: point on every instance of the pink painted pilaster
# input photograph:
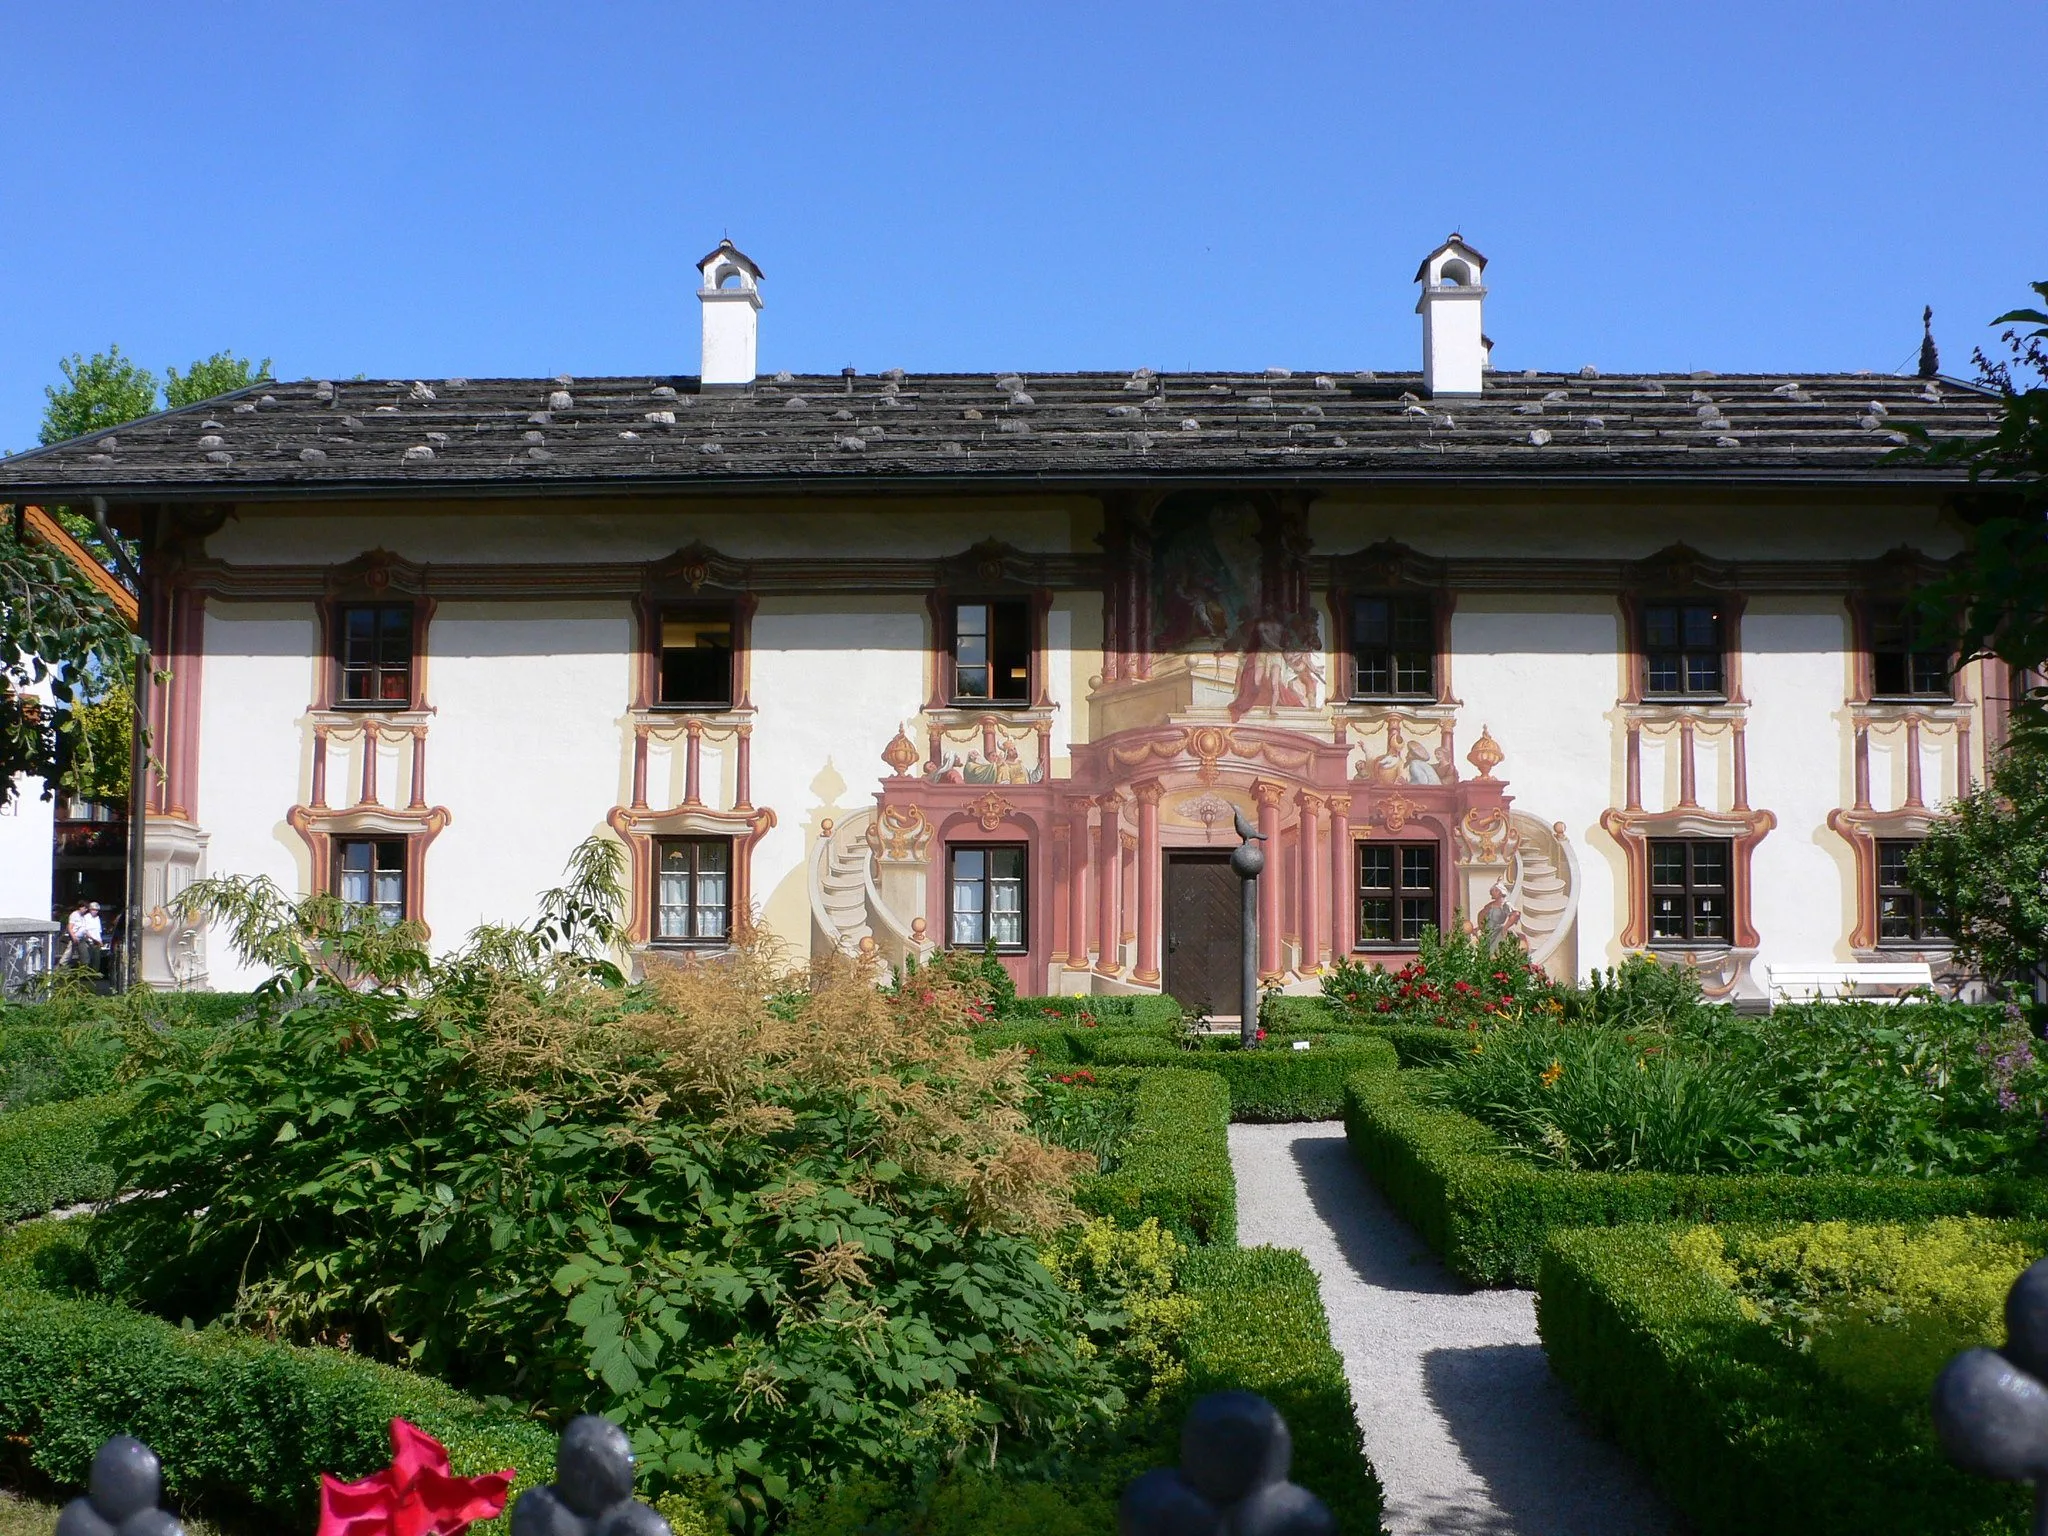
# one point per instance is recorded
(1079, 868)
(1108, 870)
(1314, 932)
(1268, 796)
(1149, 876)
(693, 756)
(743, 769)
(1342, 913)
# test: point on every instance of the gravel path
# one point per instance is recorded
(1470, 1432)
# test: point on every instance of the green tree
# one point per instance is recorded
(1996, 601)
(209, 376)
(57, 631)
(101, 391)
(93, 741)
(1986, 865)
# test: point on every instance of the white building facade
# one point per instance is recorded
(892, 662)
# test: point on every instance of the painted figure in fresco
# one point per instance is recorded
(1498, 916)
(1420, 767)
(1009, 769)
(1446, 769)
(1205, 564)
(1283, 667)
(1386, 767)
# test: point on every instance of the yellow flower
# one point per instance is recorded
(1552, 1073)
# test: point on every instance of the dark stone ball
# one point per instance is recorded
(79, 1518)
(541, 1512)
(2026, 1321)
(1991, 1416)
(1232, 1443)
(126, 1479)
(631, 1519)
(1282, 1509)
(1163, 1503)
(1247, 860)
(151, 1522)
(594, 1467)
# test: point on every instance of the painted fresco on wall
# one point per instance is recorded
(1206, 562)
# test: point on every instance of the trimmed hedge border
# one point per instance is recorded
(1271, 1083)
(1262, 1328)
(55, 1154)
(1124, 1011)
(1488, 1214)
(207, 1010)
(1745, 1435)
(240, 1423)
(1176, 1164)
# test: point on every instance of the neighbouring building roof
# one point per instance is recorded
(450, 436)
(38, 524)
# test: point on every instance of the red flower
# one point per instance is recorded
(1461, 986)
(1260, 1035)
(1500, 975)
(414, 1496)
(1385, 1005)
(1350, 997)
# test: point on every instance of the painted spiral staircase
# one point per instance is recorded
(847, 910)
(1546, 887)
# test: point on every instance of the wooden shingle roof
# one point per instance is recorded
(456, 436)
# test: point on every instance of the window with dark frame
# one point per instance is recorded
(1397, 892)
(1690, 890)
(986, 896)
(1905, 662)
(696, 658)
(992, 651)
(1903, 915)
(374, 649)
(1682, 650)
(693, 890)
(1393, 648)
(370, 872)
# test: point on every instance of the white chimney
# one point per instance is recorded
(1454, 346)
(732, 306)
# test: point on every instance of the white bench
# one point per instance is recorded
(1866, 981)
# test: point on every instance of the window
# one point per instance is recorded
(376, 654)
(1903, 915)
(694, 902)
(1682, 649)
(1393, 648)
(986, 897)
(1397, 893)
(696, 659)
(1904, 661)
(992, 652)
(370, 872)
(1689, 891)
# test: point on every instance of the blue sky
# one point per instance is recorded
(425, 190)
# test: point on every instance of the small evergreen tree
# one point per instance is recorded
(1986, 867)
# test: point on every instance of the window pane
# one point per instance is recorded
(1413, 629)
(696, 660)
(1416, 914)
(1663, 673)
(1660, 628)
(1667, 864)
(1709, 864)
(1702, 628)
(1702, 673)
(1709, 917)
(1376, 920)
(1412, 673)
(1375, 867)
(1373, 622)
(1010, 652)
(1896, 918)
(1930, 673)
(1667, 917)
(1006, 863)
(1891, 862)
(1888, 673)
(1418, 867)
(1374, 673)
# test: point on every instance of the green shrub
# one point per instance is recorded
(1643, 992)
(1456, 980)
(1743, 1433)
(1611, 1100)
(49, 1063)
(1141, 1009)
(1271, 1082)
(1488, 1212)
(241, 1424)
(1261, 1327)
(1072, 1109)
(58, 1154)
(1417, 1045)
(77, 1008)
(1127, 1280)
(1176, 1161)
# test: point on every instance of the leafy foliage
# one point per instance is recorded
(93, 738)
(1127, 1282)
(783, 1226)
(1985, 865)
(57, 632)
(98, 392)
(220, 374)
(1458, 980)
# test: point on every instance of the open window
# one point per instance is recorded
(990, 649)
(1907, 659)
(696, 661)
(374, 655)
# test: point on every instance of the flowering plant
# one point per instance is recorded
(1458, 981)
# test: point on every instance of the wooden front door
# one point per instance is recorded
(1202, 938)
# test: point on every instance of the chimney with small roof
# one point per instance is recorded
(731, 300)
(1455, 346)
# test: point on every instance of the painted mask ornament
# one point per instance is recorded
(415, 1496)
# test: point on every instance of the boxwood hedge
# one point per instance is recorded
(1144, 1009)
(241, 1424)
(1488, 1213)
(55, 1154)
(1271, 1083)
(1743, 1433)
(1176, 1163)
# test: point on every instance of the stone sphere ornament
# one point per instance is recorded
(592, 1494)
(1990, 1406)
(1232, 1479)
(121, 1497)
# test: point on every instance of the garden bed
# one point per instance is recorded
(1743, 1432)
(1488, 1213)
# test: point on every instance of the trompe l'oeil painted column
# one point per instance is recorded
(1149, 874)
(1342, 913)
(1108, 869)
(1268, 796)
